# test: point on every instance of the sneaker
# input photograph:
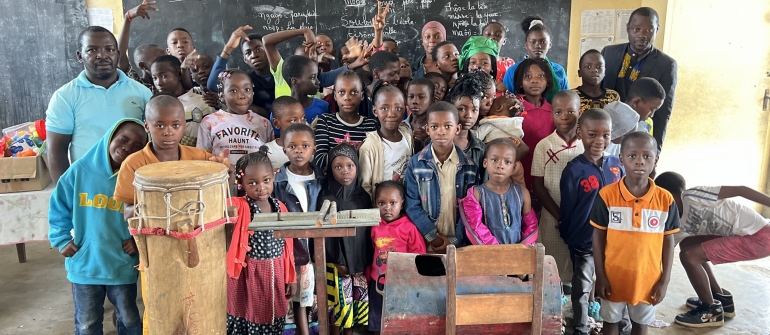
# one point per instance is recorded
(703, 316)
(593, 311)
(726, 299)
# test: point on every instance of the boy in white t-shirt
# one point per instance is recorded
(286, 112)
(298, 184)
(718, 230)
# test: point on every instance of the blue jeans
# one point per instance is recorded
(89, 308)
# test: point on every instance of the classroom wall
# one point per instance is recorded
(718, 131)
(578, 6)
(117, 11)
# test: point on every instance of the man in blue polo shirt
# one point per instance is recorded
(83, 110)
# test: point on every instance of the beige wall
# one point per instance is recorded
(718, 130)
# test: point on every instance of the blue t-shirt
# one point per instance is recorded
(558, 70)
(87, 111)
(318, 107)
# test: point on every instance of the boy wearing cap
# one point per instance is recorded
(624, 122)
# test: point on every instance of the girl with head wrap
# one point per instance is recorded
(432, 33)
(347, 257)
(481, 53)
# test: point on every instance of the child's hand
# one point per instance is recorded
(70, 249)
(309, 40)
(603, 287)
(363, 58)
(378, 21)
(343, 270)
(222, 158)
(354, 48)
(141, 10)
(235, 38)
(129, 246)
(499, 86)
(440, 243)
(323, 58)
(211, 98)
(420, 135)
(190, 60)
(658, 292)
(290, 290)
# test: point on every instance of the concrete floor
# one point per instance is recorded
(35, 297)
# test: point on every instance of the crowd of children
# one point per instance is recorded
(462, 147)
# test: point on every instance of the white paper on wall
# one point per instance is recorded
(597, 22)
(100, 17)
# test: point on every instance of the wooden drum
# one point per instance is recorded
(181, 209)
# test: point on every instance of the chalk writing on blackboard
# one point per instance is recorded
(467, 17)
(279, 18)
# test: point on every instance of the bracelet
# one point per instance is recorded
(226, 53)
(128, 17)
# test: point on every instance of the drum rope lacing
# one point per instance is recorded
(187, 209)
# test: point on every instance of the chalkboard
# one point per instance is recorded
(38, 41)
(211, 22)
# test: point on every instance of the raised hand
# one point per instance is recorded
(378, 21)
(363, 58)
(310, 42)
(190, 60)
(235, 38)
(354, 48)
(141, 10)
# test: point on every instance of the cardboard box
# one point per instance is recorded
(19, 174)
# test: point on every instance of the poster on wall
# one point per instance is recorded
(597, 22)
(622, 17)
(100, 17)
(595, 42)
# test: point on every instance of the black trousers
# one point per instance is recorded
(582, 283)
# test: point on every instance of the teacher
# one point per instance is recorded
(638, 58)
(83, 110)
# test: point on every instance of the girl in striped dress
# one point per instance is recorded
(347, 125)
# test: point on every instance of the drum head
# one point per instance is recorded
(178, 173)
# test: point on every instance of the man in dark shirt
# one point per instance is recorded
(638, 58)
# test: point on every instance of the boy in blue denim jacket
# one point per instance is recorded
(298, 185)
(430, 176)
